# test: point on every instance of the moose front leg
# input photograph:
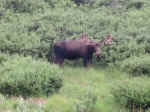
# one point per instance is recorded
(59, 61)
(89, 62)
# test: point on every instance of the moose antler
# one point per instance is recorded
(108, 40)
(83, 36)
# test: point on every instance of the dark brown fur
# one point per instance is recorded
(75, 49)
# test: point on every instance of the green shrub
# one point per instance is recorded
(26, 77)
(30, 27)
(59, 104)
(123, 50)
(133, 92)
(22, 6)
(137, 65)
(87, 102)
(84, 102)
(148, 110)
(18, 105)
(59, 3)
(119, 4)
(79, 2)
(3, 57)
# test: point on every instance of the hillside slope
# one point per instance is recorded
(31, 27)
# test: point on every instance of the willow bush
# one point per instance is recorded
(24, 76)
(133, 92)
(137, 65)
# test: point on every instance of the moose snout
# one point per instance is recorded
(98, 54)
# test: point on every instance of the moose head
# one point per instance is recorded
(96, 45)
(108, 40)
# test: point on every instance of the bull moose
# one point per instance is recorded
(81, 48)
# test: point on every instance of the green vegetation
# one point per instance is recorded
(28, 29)
(133, 92)
(137, 65)
(17, 105)
(26, 77)
(82, 91)
(31, 27)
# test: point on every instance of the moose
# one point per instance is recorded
(80, 48)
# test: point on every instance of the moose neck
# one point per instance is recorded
(101, 43)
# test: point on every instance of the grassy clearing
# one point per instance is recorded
(87, 90)
(79, 81)
(83, 90)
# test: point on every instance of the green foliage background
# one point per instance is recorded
(129, 92)
(26, 77)
(30, 27)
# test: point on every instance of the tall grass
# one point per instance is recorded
(91, 90)
(83, 90)
(78, 82)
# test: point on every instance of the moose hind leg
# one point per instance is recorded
(61, 63)
(89, 62)
(85, 62)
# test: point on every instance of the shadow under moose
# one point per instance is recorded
(79, 48)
